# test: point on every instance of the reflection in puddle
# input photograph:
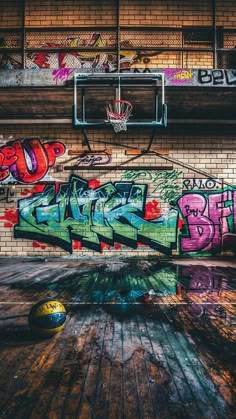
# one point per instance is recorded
(207, 292)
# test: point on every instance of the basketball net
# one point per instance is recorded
(118, 113)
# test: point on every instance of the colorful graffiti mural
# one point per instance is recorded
(113, 212)
(193, 217)
(165, 183)
(94, 159)
(29, 160)
(102, 61)
(209, 221)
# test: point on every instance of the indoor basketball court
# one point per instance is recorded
(117, 218)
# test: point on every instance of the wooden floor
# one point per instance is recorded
(143, 339)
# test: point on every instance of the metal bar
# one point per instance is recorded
(4, 49)
(163, 49)
(98, 168)
(86, 140)
(23, 35)
(214, 34)
(66, 121)
(83, 105)
(151, 139)
(152, 28)
(36, 121)
(73, 49)
(230, 50)
(75, 101)
(118, 33)
(104, 124)
(11, 29)
(163, 88)
(117, 75)
(156, 104)
(69, 28)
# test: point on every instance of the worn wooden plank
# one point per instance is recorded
(92, 377)
(165, 352)
(101, 406)
(76, 403)
(167, 401)
(146, 407)
(59, 402)
(116, 397)
(131, 397)
(25, 393)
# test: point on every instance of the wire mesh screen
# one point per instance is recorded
(10, 61)
(226, 59)
(142, 49)
(158, 38)
(198, 38)
(42, 42)
(70, 39)
(229, 40)
(10, 40)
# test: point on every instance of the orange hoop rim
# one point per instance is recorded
(122, 115)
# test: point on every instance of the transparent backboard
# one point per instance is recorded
(93, 92)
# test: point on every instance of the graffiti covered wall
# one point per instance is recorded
(90, 208)
(160, 212)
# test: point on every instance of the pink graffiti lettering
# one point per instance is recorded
(28, 161)
(62, 74)
(201, 228)
(178, 76)
(218, 213)
(207, 220)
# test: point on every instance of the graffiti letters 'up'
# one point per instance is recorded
(28, 161)
(113, 212)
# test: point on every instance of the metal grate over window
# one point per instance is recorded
(196, 38)
(10, 40)
(70, 39)
(150, 39)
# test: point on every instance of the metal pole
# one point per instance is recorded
(118, 34)
(214, 34)
(23, 36)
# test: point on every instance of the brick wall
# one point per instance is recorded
(11, 13)
(202, 149)
(90, 12)
(70, 13)
(165, 12)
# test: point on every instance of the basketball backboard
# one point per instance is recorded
(93, 92)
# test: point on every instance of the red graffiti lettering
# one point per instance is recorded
(4, 173)
(34, 167)
(28, 161)
(7, 156)
(54, 150)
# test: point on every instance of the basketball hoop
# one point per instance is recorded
(118, 113)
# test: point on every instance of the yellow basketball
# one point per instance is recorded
(47, 317)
